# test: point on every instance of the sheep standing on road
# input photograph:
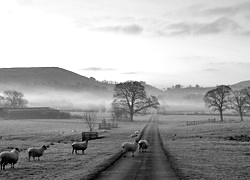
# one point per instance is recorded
(130, 147)
(79, 146)
(143, 145)
(36, 152)
(7, 157)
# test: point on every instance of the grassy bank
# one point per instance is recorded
(58, 162)
(205, 151)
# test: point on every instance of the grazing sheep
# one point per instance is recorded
(36, 152)
(79, 146)
(174, 137)
(130, 147)
(137, 131)
(143, 145)
(7, 157)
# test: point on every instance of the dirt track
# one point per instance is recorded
(152, 164)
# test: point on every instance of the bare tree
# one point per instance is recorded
(239, 102)
(14, 99)
(246, 91)
(90, 119)
(218, 99)
(130, 97)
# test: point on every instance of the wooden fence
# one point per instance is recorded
(104, 125)
(189, 123)
(107, 125)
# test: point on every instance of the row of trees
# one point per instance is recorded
(223, 98)
(13, 99)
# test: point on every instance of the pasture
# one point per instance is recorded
(207, 151)
(58, 162)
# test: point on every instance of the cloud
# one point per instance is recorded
(246, 33)
(129, 29)
(98, 69)
(130, 73)
(229, 10)
(215, 27)
(211, 70)
(230, 63)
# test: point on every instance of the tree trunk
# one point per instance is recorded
(131, 114)
(241, 116)
(221, 116)
(131, 117)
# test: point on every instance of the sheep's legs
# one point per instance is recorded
(133, 155)
(82, 151)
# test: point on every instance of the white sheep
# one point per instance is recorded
(143, 145)
(130, 147)
(137, 131)
(79, 146)
(36, 152)
(7, 157)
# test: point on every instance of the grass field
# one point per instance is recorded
(58, 162)
(199, 152)
(204, 151)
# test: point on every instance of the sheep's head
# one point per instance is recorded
(44, 147)
(17, 149)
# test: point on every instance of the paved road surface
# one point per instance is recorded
(152, 164)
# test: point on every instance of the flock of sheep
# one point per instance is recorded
(11, 157)
(132, 147)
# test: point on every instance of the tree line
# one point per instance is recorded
(224, 98)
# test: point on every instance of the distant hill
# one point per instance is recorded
(60, 88)
(241, 85)
(49, 78)
(57, 87)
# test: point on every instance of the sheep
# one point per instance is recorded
(79, 146)
(137, 131)
(143, 145)
(36, 152)
(7, 157)
(130, 147)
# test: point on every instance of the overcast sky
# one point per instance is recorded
(162, 42)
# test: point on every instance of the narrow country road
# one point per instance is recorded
(152, 164)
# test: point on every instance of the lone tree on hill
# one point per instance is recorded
(239, 102)
(130, 97)
(14, 99)
(218, 99)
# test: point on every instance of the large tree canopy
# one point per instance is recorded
(14, 99)
(218, 99)
(240, 102)
(130, 97)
